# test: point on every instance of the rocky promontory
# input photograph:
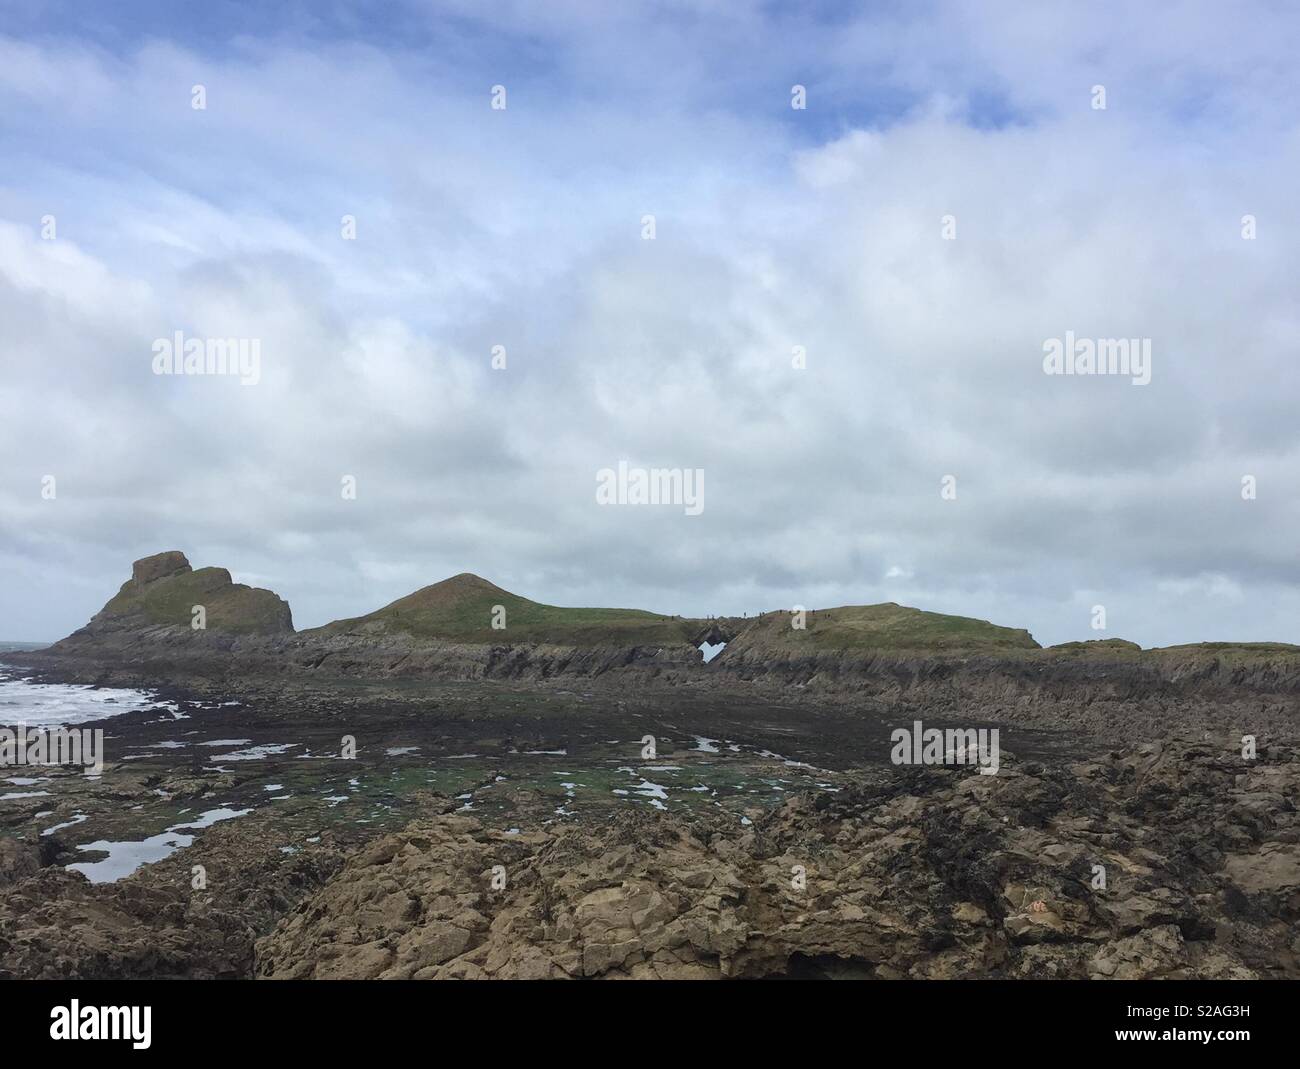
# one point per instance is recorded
(466, 628)
(168, 611)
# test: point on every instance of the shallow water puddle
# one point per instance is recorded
(256, 753)
(127, 856)
(206, 820)
(77, 818)
(655, 792)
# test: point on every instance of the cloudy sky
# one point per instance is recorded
(127, 213)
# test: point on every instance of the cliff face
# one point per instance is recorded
(402, 656)
(1044, 672)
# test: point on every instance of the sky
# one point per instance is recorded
(838, 313)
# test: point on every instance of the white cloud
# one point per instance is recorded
(523, 229)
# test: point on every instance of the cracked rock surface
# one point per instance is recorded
(925, 874)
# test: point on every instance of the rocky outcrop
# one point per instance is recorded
(1167, 861)
(164, 592)
(17, 861)
(56, 925)
(159, 566)
(169, 621)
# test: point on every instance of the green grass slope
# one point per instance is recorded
(460, 609)
(1109, 648)
(1231, 655)
(869, 628)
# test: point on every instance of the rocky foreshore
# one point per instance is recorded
(1158, 862)
(1168, 861)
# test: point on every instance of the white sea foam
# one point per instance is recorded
(53, 704)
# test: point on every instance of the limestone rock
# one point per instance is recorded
(930, 874)
(159, 566)
(17, 860)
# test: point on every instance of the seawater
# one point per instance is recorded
(52, 704)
